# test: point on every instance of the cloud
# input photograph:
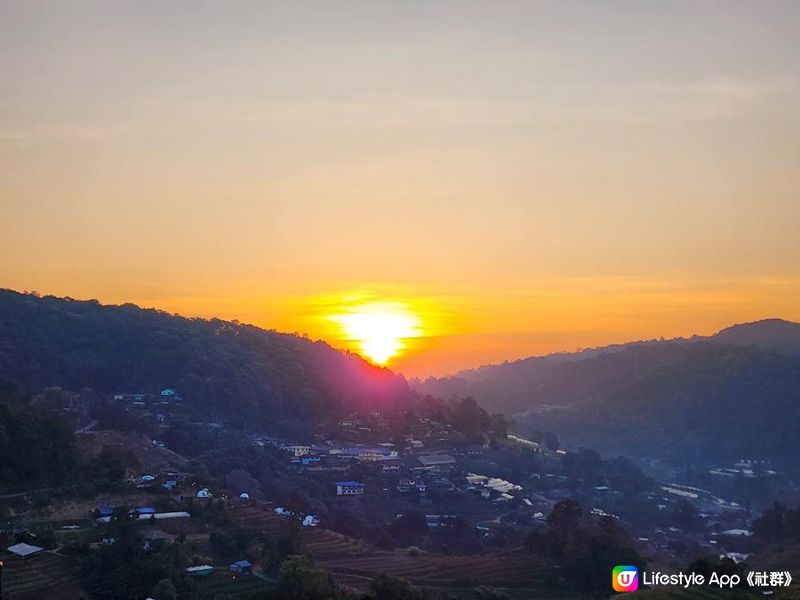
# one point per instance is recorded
(62, 133)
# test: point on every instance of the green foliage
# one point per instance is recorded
(455, 536)
(679, 400)
(684, 516)
(112, 464)
(777, 524)
(409, 528)
(288, 541)
(551, 441)
(299, 579)
(36, 450)
(222, 367)
(125, 570)
(385, 587)
(585, 549)
(469, 418)
(231, 543)
(164, 590)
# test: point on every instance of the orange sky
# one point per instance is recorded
(539, 177)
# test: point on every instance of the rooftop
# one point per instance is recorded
(24, 549)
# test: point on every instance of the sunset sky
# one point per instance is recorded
(521, 177)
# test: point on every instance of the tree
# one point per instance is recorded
(223, 545)
(385, 587)
(123, 569)
(239, 480)
(409, 528)
(36, 450)
(112, 463)
(288, 542)
(684, 515)
(469, 418)
(300, 580)
(565, 516)
(164, 590)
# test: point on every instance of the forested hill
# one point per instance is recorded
(219, 366)
(733, 395)
(561, 379)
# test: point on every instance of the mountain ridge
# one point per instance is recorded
(224, 367)
(780, 330)
(706, 397)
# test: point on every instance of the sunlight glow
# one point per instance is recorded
(379, 328)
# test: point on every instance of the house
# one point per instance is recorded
(310, 521)
(430, 461)
(349, 488)
(106, 511)
(241, 566)
(370, 453)
(474, 479)
(157, 535)
(392, 464)
(297, 449)
(405, 485)
(145, 510)
(24, 550)
(438, 520)
(443, 483)
(244, 497)
(530, 445)
(737, 532)
(147, 477)
(169, 485)
(200, 570)
(309, 460)
(178, 514)
(502, 486)
(204, 493)
(130, 397)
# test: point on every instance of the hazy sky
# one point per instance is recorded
(529, 176)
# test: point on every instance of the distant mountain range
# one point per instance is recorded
(223, 368)
(732, 394)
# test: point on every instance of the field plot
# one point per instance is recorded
(223, 585)
(45, 575)
(513, 570)
(355, 563)
(325, 544)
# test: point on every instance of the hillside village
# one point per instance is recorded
(412, 486)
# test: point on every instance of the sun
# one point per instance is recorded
(379, 329)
